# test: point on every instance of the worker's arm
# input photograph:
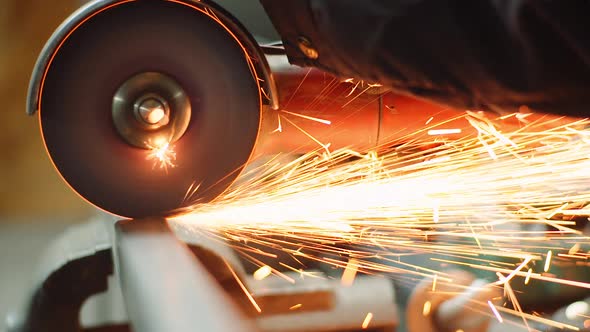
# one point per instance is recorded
(469, 54)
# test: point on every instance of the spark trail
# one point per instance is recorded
(494, 202)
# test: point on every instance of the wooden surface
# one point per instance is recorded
(29, 186)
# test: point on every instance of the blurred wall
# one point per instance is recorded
(29, 187)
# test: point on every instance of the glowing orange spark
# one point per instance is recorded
(191, 191)
(353, 88)
(528, 276)
(495, 311)
(578, 212)
(350, 272)
(262, 272)
(426, 308)
(358, 95)
(367, 320)
(243, 287)
(505, 280)
(435, 132)
(324, 146)
(279, 127)
(574, 249)
(548, 261)
(327, 122)
(163, 154)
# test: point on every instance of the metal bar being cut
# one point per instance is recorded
(165, 287)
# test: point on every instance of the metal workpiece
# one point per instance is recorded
(319, 304)
(165, 288)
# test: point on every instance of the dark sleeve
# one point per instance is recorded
(496, 54)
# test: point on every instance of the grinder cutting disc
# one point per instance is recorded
(149, 60)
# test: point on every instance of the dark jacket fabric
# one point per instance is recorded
(474, 54)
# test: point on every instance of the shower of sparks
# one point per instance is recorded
(163, 155)
(497, 202)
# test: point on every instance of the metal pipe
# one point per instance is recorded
(165, 287)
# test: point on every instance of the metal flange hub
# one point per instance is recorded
(151, 109)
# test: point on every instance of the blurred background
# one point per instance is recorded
(31, 189)
(35, 205)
